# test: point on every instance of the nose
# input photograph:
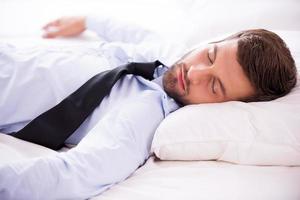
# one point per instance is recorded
(198, 73)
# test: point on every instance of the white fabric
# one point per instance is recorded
(260, 133)
(174, 180)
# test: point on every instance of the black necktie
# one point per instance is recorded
(54, 126)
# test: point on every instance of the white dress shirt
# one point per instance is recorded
(116, 138)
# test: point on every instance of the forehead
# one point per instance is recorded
(227, 56)
(231, 72)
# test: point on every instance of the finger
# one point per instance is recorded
(53, 23)
(52, 32)
(49, 35)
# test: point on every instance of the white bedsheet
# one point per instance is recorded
(205, 180)
(166, 180)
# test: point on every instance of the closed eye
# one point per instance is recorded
(213, 85)
(209, 58)
(212, 53)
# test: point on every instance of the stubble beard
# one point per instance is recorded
(170, 82)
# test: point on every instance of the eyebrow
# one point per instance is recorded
(220, 82)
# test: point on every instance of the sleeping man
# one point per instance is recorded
(113, 134)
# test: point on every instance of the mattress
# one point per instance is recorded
(196, 180)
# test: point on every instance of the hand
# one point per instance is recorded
(65, 27)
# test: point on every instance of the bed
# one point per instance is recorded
(184, 179)
(159, 179)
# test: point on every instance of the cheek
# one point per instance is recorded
(198, 90)
(196, 93)
(199, 94)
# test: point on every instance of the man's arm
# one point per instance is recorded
(108, 28)
(141, 45)
(111, 151)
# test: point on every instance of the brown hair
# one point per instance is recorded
(267, 62)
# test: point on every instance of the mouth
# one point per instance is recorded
(181, 79)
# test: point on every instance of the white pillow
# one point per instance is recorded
(259, 133)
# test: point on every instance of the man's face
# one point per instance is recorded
(208, 74)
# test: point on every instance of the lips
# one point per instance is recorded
(181, 79)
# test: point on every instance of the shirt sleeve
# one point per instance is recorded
(112, 29)
(111, 151)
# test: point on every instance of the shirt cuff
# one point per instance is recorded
(91, 23)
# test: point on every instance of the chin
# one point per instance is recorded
(179, 100)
